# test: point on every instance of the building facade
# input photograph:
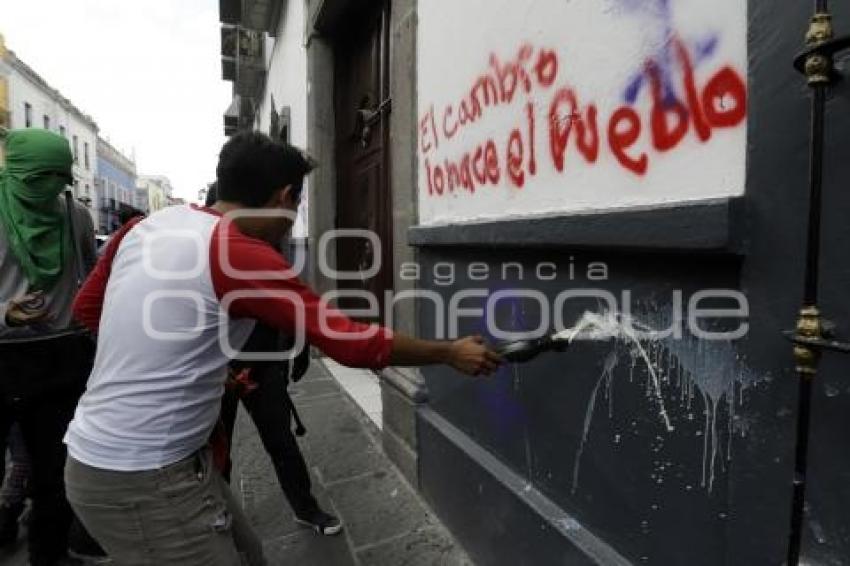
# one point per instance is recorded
(269, 78)
(282, 109)
(116, 188)
(525, 163)
(5, 115)
(158, 190)
(142, 199)
(32, 103)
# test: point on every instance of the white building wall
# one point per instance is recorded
(45, 102)
(84, 171)
(287, 83)
(558, 107)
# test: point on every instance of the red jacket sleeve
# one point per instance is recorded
(253, 280)
(88, 304)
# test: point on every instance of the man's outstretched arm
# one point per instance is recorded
(287, 304)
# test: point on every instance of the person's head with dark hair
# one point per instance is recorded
(257, 172)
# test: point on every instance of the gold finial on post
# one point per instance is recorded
(818, 66)
(808, 326)
(820, 29)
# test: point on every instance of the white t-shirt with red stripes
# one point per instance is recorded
(172, 298)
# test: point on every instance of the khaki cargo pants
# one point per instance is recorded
(181, 515)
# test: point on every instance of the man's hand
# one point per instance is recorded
(27, 310)
(468, 355)
(471, 356)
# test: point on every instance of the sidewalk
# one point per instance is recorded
(386, 523)
(362, 387)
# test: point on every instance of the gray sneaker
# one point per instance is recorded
(321, 522)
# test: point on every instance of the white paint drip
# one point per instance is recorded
(528, 460)
(608, 368)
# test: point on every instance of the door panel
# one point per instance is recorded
(362, 128)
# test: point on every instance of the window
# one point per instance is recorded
(86, 154)
(88, 190)
(28, 114)
(46, 122)
(76, 149)
(62, 132)
(285, 124)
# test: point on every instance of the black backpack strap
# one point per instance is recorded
(75, 242)
(299, 426)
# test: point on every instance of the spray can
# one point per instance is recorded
(521, 351)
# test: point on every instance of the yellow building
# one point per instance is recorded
(158, 189)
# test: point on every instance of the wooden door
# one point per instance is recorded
(361, 101)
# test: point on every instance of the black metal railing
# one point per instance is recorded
(813, 334)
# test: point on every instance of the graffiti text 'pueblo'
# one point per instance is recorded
(719, 103)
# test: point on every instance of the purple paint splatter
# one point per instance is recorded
(661, 11)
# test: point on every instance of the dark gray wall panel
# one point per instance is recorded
(650, 493)
(639, 487)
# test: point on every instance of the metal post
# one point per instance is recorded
(818, 68)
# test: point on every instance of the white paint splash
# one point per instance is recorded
(710, 369)
(608, 325)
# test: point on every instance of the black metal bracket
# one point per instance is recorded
(827, 49)
(366, 120)
(824, 343)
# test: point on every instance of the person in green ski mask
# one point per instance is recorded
(38, 168)
(40, 381)
(36, 252)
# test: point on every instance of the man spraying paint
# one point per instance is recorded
(183, 286)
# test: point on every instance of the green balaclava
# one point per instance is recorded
(38, 168)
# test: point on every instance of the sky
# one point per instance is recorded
(149, 73)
